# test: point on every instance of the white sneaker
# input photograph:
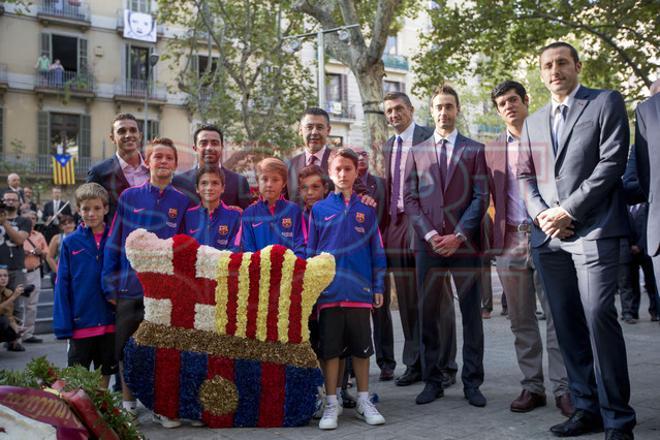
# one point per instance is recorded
(340, 406)
(165, 422)
(367, 411)
(329, 419)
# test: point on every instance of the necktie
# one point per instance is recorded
(312, 160)
(442, 162)
(558, 126)
(396, 178)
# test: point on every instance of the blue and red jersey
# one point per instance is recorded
(80, 308)
(281, 225)
(220, 228)
(148, 207)
(349, 231)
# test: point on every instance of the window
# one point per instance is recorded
(2, 126)
(203, 64)
(138, 72)
(336, 93)
(71, 51)
(64, 132)
(140, 6)
(154, 129)
(391, 45)
(336, 141)
(393, 86)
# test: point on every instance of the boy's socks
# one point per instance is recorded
(363, 396)
(331, 399)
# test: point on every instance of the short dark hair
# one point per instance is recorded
(391, 96)
(123, 117)
(312, 170)
(347, 153)
(446, 89)
(558, 44)
(208, 127)
(316, 111)
(208, 169)
(504, 87)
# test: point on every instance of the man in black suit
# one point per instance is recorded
(314, 129)
(446, 196)
(52, 208)
(573, 153)
(398, 232)
(208, 144)
(126, 167)
(647, 148)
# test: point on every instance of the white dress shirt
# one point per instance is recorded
(319, 156)
(449, 145)
(406, 144)
(135, 176)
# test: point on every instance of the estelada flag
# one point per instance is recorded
(64, 172)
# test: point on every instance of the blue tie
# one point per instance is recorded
(396, 178)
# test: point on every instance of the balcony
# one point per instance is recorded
(340, 110)
(4, 82)
(41, 165)
(65, 12)
(79, 85)
(398, 62)
(135, 90)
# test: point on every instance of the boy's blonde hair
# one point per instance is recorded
(88, 191)
(272, 165)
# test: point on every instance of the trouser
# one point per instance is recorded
(486, 284)
(521, 281)
(631, 298)
(30, 303)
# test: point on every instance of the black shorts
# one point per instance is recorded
(99, 350)
(129, 315)
(345, 331)
(314, 341)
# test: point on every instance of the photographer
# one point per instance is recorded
(9, 330)
(35, 248)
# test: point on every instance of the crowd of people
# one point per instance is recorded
(565, 221)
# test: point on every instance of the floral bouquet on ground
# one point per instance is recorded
(224, 338)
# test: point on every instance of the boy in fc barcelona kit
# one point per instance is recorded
(272, 220)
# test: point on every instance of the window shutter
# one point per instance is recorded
(85, 147)
(344, 95)
(154, 129)
(82, 55)
(2, 126)
(43, 133)
(45, 45)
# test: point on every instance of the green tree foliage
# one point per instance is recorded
(618, 41)
(249, 87)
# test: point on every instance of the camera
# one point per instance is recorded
(27, 289)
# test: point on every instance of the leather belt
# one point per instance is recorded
(522, 227)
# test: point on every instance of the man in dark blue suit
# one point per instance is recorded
(446, 195)
(573, 153)
(126, 167)
(208, 144)
(647, 148)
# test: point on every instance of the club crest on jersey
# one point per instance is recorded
(359, 217)
(286, 222)
(223, 229)
(172, 213)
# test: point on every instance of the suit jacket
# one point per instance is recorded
(459, 206)
(110, 176)
(49, 210)
(376, 189)
(294, 165)
(420, 134)
(632, 189)
(647, 149)
(585, 176)
(237, 188)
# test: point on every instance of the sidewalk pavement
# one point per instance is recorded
(448, 418)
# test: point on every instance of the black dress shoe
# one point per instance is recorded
(33, 340)
(474, 397)
(409, 377)
(616, 434)
(386, 374)
(431, 392)
(448, 379)
(581, 422)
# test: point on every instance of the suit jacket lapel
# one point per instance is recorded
(418, 135)
(459, 147)
(574, 113)
(324, 161)
(118, 174)
(499, 160)
(387, 156)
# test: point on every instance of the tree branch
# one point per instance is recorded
(382, 24)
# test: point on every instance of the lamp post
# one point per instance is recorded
(295, 45)
(152, 61)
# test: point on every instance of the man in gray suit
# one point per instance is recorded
(572, 156)
(647, 150)
(446, 194)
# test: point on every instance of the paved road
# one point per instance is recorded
(449, 418)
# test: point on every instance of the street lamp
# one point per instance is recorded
(292, 44)
(153, 60)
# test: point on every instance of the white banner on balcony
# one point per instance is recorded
(139, 26)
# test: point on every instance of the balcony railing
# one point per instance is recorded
(339, 109)
(138, 88)
(395, 62)
(3, 73)
(67, 9)
(42, 164)
(74, 82)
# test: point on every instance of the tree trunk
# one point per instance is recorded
(370, 83)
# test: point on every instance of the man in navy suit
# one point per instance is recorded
(573, 153)
(208, 144)
(314, 129)
(446, 195)
(647, 148)
(126, 167)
